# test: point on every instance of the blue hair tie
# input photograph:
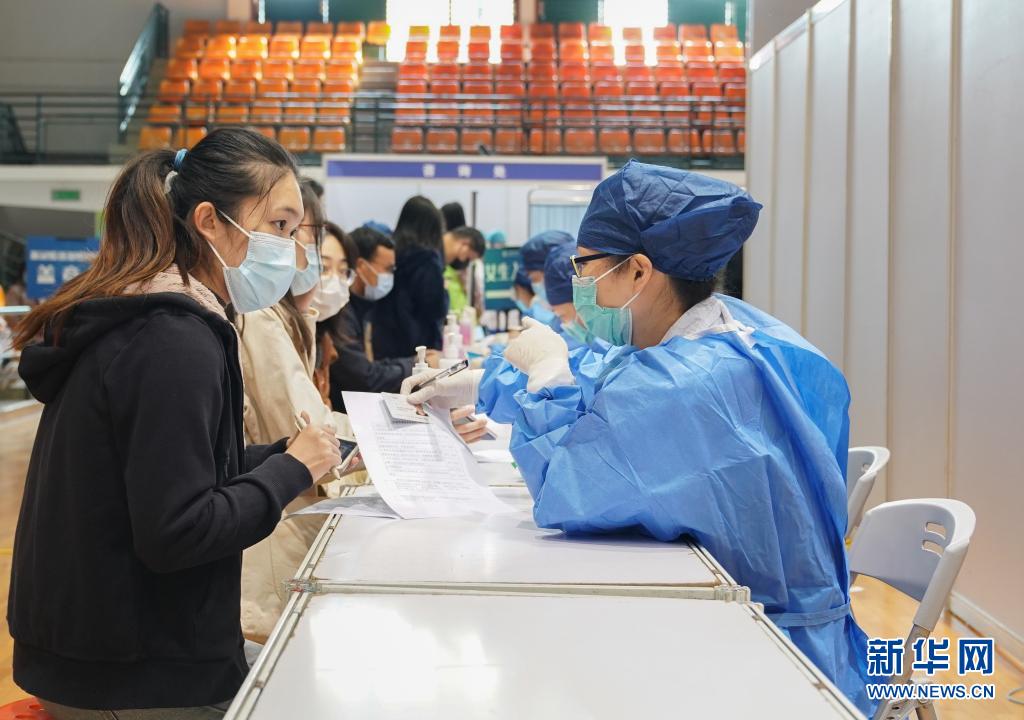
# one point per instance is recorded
(179, 157)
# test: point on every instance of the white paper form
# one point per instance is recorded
(363, 506)
(420, 469)
(492, 449)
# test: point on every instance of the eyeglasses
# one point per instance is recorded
(347, 276)
(578, 261)
(316, 230)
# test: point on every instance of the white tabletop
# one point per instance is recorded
(501, 549)
(449, 656)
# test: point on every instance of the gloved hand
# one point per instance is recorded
(542, 354)
(451, 392)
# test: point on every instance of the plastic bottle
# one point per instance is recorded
(466, 325)
(421, 360)
(451, 325)
(452, 348)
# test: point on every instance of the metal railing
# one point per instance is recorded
(152, 43)
(12, 145)
(89, 122)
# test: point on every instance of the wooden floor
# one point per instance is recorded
(881, 611)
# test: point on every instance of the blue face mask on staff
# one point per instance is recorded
(615, 325)
(385, 282)
(265, 274)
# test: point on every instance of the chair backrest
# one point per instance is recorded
(862, 467)
(917, 547)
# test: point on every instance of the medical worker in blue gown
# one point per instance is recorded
(532, 256)
(707, 418)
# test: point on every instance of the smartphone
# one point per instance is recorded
(488, 435)
(348, 448)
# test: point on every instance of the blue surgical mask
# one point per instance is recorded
(540, 295)
(265, 274)
(615, 325)
(385, 282)
(523, 307)
(306, 280)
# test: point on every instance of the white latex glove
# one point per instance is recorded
(445, 394)
(542, 354)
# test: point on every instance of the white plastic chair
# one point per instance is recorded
(862, 467)
(917, 547)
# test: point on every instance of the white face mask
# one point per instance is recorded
(264, 275)
(330, 297)
(306, 280)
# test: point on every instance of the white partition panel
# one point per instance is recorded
(825, 272)
(867, 267)
(899, 251)
(760, 167)
(919, 284)
(789, 224)
(988, 401)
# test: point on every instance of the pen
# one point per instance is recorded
(300, 424)
(457, 367)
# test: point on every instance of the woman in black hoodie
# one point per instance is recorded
(413, 313)
(140, 495)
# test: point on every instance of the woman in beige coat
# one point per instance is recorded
(278, 348)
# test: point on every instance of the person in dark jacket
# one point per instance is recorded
(414, 312)
(140, 494)
(356, 367)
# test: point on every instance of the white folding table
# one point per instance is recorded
(451, 655)
(507, 552)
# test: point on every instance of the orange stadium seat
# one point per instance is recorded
(190, 46)
(508, 141)
(479, 51)
(252, 47)
(692, 32)
(412, 71)
(346, 47)
(580, 141)
(294, 139)
(284, 46)
(272, 87)
(542, 51)
(232, 114)
(511, 52)
(700, 71)
(420, 33)
(732, 72)
(480, 33)
(323, 29)
(512, 32)
(599, 34)
(407, 140)
(334, 112)
(602, 54)
(477, 71)
(163, 113)
(227, 27)
(679, 141)
(254, 27)
(724, 32)
(509, 111)
(207, 90)
(247, 70)
(266, 130)
(310, 68)
(197, 27)
(572, 31)
(669, 53)
(613, 108)
(665, 34)
(171, 91)
(377, 32)
(220, 47)
(698, 50)
(741, 141)
(339, 86)
(328, 139)
(574, 72)
(315, 46)
(182, 69)
(278, 68)
(649, 141)
(214, 69)
(543, 107)
(542, 72)
(669, 73)
(442, 140)
(289, 27)
(154, 137)
(305, 88)
(614, 141)
(239, 90)
(443, 110)
(351, 29)
(605, 73)
(451, 33)
(648, 107)
(542, 30)
(266, 111)
(573, 51)
(636, 54)
(478, 113)
(299, 112)
(448, 51)
(547, 141)
(342, 69)
(633, 35)
(723, 142)
(188, 137)
(416, 50)
(638, 73)
(578, 106)
(472, 138)
(729, 50)
(445, 70)
(510, 71)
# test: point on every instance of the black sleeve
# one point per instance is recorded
(166, 392)
(429, 303)
(353, 370)
(256, 455)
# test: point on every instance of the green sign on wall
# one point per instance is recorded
(500, 266)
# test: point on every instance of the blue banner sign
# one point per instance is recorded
(474, 170)
(53, 261)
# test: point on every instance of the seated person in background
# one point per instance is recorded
(454, 215)
(532, 256)
(352, 328)
(277, 354)
(414, 312)
(558, 274)
(338, 256)
(522, 292)
(462, 246)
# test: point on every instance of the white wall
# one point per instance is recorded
(884, 142)
(79, 45)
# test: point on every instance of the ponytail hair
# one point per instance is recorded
(148, 225)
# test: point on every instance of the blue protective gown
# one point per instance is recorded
(738, 444)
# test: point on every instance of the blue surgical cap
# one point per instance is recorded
(378, 226)
(688, 224)
(496, 238)
(523, 280)
(558, 274)
(535, 251)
